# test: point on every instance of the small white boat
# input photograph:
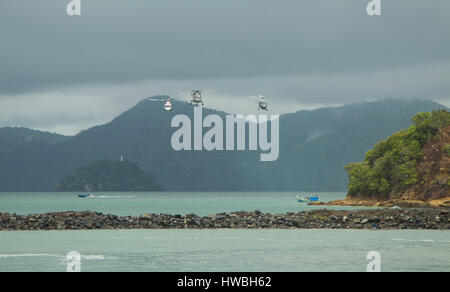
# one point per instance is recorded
(302, 199)
(311, 198)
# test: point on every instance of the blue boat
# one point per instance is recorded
(84, 195)
(303, 199)
(314, 199)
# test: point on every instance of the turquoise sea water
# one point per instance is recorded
(225, 250)
(208, 250)
(200, 203)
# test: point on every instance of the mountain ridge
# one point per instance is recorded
(314, 147)
(14, 136)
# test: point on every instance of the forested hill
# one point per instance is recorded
(108, 175)
(411, 164)
(11, 138)
(315, 145)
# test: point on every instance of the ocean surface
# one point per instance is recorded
(225, 250)
(208, 250)
(125, 204)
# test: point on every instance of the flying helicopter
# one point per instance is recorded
(196, 97)
(262, 103)
(167, 103)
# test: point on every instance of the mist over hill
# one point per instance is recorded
(314, 148)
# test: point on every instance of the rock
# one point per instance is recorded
(220, 216)
(381, 218)
(374, 219)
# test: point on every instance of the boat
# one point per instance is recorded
(84, 195)
(303, 199)
(314, 199)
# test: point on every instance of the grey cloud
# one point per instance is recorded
(125, 41)
(67, 73)
(77, 108)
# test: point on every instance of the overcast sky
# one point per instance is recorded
(65, 73)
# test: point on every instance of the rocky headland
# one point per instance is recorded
(403, 202)
(411, 168)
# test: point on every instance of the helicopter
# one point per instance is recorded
(167, 103)
(262, 103)
(196, 97)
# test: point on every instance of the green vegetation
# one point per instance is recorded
(314, 148)
(12, 138)
(108, 175)
(391, 166)
(447, 150)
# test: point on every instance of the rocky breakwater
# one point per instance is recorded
(329, 219)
